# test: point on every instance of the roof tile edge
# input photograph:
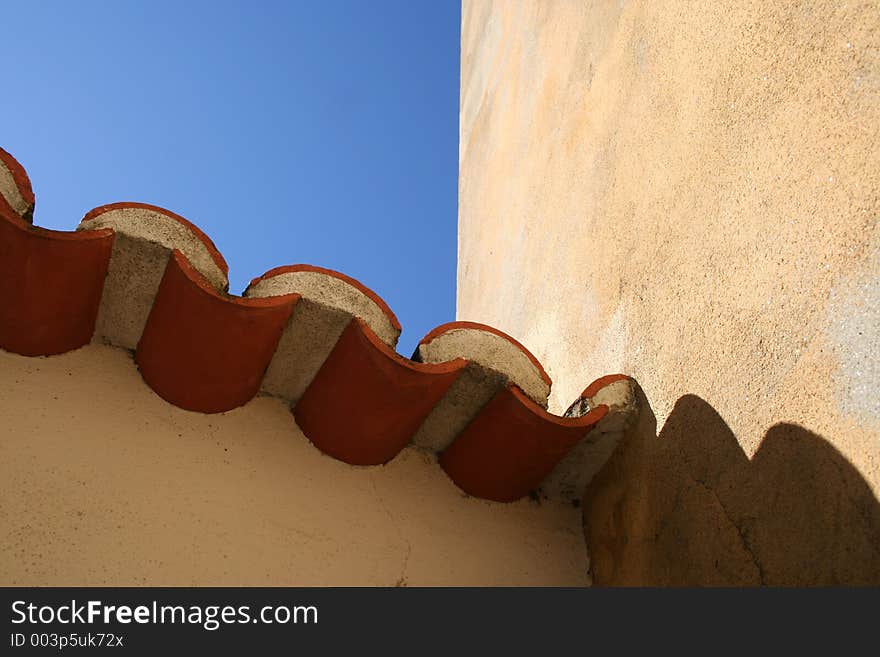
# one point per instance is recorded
(503, 432)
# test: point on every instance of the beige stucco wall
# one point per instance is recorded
(104, 483)
(688, 192)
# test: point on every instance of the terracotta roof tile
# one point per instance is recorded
(367, 401)
(204, 351)
(146, 279)
(512, 445)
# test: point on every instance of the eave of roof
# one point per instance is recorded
(144, 278)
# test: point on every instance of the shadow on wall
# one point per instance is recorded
(687, 507)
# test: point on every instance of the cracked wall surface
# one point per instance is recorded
(688, 507)
(104, 483)
(688, 193)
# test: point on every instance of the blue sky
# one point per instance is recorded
(292, 132)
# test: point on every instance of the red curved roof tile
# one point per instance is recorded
(208, 351)
(601, 382)
(203, 351)
(367, 401)
(50, 286)
(510, 447)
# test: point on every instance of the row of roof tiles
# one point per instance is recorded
(145, 279)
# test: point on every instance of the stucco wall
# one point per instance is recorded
(104, 483)
(688, 192)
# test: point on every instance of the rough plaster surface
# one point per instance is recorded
(9, 190)
(687, 193)
(690, 507)
(104, 483)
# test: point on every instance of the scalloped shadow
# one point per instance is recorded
(687, 507)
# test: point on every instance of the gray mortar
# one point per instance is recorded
(493, 362)
(159, 228)
(326, 307)
(11, 192)
(141, 249)
(568, 480)
(311, 333)
(331, 292)
(492, 352)
(472, 390)
(133, 277)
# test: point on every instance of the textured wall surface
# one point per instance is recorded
(104, 483)
(688, 192)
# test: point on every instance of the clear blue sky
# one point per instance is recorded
(321, 132)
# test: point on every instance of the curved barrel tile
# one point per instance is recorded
(512, 445)
(50, 281)
(140, 276)
(204, 351)
(495, 360)
(145, 237)
(50, 286)
(329, 300)
(570, 477)
(366, 401)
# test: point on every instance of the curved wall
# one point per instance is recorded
(688, 192)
